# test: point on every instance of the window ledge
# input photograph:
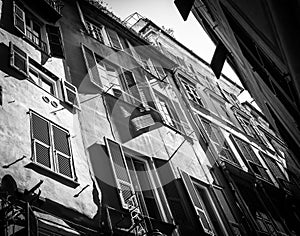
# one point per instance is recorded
(53, 175)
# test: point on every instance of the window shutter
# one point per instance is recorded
(91, 65)
(121, 173)
(19, 19)
(152, 68)
(113, 38)
(55, 41)
(70, 94)
(196, 202)
(18, 59)
(62, 151)
(41, 140)
(183, 123)
(131, 84)
(81, 16)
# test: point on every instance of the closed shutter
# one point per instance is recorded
(19, 19)
(91, 65)
(62, 151)
(55, 41)
(18, 59)
(113, 38)
(70, 94)
(41, 140)
(121, 173)
(198, 205)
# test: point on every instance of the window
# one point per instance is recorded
(133, 180)
(34, 31)
(251, 158)
(273, 166)
(113, 39)
(192, 92)
(196, 197)
(95, 31)
(219, 142)
(43, 81)
(70, 94)
(227, 211)
(247, 127)
(51, 146)
(19, 59)
(167, 111)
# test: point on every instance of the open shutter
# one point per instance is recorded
(19, 19)
(131, 84)
(151, 66)
(198, 205)
(18, 59)
(70, 94)
(91, 65)
(62, 151)
(81, 16)
(183, 123)
(113, 38)
(55, 41)
(41, 140)
(121, 173)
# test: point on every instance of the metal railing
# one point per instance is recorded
(55, 4)
(36, 40)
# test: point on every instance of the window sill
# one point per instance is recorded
(53, 175)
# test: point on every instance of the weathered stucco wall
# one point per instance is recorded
(21, 95)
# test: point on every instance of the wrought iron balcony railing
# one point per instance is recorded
(55, 4)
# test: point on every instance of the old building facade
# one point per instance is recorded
(122, 130)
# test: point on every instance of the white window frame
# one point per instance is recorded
(67, 86)
(97, 32)
(42, 76)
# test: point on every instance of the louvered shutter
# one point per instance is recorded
(113, 38)
(19, 19)
(121, 173)
(91, 65)
(41, 140)
(62, 151)
(70, 94)
(151, 66)
(183, 123)
(55, 41)
(18, 59)
(198, 205)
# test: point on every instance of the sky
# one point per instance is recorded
(164, 13)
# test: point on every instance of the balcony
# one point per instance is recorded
(49, 10)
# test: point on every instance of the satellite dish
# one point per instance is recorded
(9, 185)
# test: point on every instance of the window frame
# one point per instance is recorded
(94, 31)
(53, 158)
(42, 77)
(73, 90)
(192, 92)
(13, 52)
(218, 135)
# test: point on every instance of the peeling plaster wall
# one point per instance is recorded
(19, 96)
